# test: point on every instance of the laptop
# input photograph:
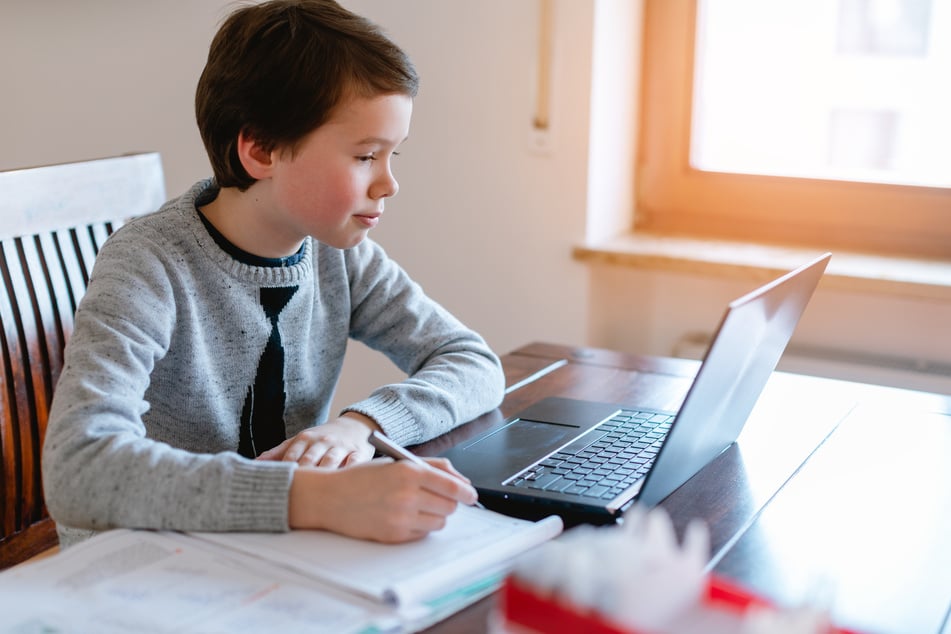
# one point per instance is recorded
(589, 461)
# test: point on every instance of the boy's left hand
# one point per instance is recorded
(336, 443)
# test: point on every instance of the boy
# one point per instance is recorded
(211, 337)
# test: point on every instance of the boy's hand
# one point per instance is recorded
(384, 501)
(336, 443)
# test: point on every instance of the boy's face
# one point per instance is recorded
(333, 188)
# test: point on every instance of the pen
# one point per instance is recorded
(389, 448)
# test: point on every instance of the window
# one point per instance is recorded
(819, 122)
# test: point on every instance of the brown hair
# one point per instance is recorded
(277, 70)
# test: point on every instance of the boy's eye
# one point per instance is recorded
(365, 158)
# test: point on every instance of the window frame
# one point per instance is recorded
(673, 198)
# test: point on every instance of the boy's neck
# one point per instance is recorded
(243, 223)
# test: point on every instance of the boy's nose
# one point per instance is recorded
(385, 187)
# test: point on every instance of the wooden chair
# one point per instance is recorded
(53, 220)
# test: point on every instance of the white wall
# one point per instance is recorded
(102, 77)
(650, 311)
(484, 223)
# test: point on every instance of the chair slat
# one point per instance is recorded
(50, 342)
(34, 407)
(17, 408)
(53, 222)
(70, 265)
(98, 233)
(60, 299)
(9, 409)
(85, 250)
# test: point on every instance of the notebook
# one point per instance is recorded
(589, 462)
(160, 582)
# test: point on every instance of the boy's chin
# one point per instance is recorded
(346, 243)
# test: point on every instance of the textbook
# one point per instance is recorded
(475, 543)
(313, 581)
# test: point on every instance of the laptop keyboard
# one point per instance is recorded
(604, 462)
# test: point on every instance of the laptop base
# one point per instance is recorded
(535, 510)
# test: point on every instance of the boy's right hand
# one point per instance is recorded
(381, 500)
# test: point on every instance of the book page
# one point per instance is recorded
(474, 545)
(146, 582)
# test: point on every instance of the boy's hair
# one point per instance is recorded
(277, 70)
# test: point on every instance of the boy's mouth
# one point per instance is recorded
(368, 220)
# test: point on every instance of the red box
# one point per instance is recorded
(525, 609)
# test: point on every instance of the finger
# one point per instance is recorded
(449, 486)
(295, 451)
(400, 537)
(354, 457)
(444, 465)
(421, 524)
(312, 456)
(434, 505)
(430, 522)
(333, 457)
(275, 453)
(427, 513)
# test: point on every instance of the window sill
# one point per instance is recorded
(855, 272)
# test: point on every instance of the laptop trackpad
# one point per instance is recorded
(541, 429)
(522, 441)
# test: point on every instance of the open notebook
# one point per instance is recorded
(300, 581)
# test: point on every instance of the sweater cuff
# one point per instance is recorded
(258, 496)
(391, 415)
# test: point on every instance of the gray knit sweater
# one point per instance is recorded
(144, 425)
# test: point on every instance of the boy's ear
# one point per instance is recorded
(255, 160)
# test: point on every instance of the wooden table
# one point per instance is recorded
(834, 490)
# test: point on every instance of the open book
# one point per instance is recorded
(476, 544)
(312, 581)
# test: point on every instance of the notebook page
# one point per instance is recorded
(163, 583)
(474, 543)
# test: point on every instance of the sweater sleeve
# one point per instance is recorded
(100, 470)
(453, 375)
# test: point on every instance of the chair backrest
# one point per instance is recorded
(53, 220)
